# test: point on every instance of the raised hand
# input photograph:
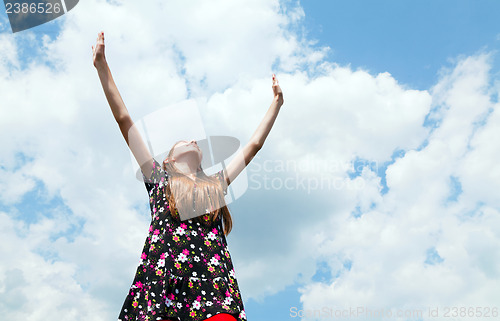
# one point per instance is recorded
(98, 50)
(278, 94)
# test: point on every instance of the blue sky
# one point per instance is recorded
(419, 43)
(412, 40)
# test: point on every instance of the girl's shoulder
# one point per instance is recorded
(157, 175)
(220, 177)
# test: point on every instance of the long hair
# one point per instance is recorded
(204, 198)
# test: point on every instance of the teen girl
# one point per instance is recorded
(185, 272)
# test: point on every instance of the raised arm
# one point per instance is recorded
(120, 112)
(243, 158)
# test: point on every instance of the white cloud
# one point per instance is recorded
(35, 288)
(388, 245)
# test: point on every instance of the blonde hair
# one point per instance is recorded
(206, 193)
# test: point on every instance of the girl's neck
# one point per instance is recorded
(187, 169)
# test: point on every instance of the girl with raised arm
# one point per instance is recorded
(185, 272)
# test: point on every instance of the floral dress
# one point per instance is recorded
(185, 269)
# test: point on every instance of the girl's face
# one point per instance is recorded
(188, 149)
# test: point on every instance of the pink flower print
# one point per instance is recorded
(143, 256)
(192, 314)
(214, 230)
(135, 304)
(185, 251)
(217, 256)
(138, 284)
(156, 232)
(162, 256)
(177, 265)
(227, 293)
(184, 226)
(151, 228)
(170, 296)
(211, 269)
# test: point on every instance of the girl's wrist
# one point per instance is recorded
(101, 65)
(278, 100)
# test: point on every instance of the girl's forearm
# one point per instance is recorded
(266, 124)
(113, 96)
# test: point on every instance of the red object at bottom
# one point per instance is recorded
(217, 317)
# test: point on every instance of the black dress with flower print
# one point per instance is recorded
(185, 270)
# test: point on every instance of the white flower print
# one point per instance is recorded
(161, 263)
(197, 258)
(211, 236)
(154, 238)
(180, 231)
(181, 257)
(179, 305)
(227, 301)
(214, 261)
(196, 305)
(209, 303)
(194, 233)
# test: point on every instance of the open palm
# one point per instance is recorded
(98, 50)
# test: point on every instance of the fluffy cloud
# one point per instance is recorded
(426, 244)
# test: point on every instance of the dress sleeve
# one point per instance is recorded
(158, 176)
(222, 179)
